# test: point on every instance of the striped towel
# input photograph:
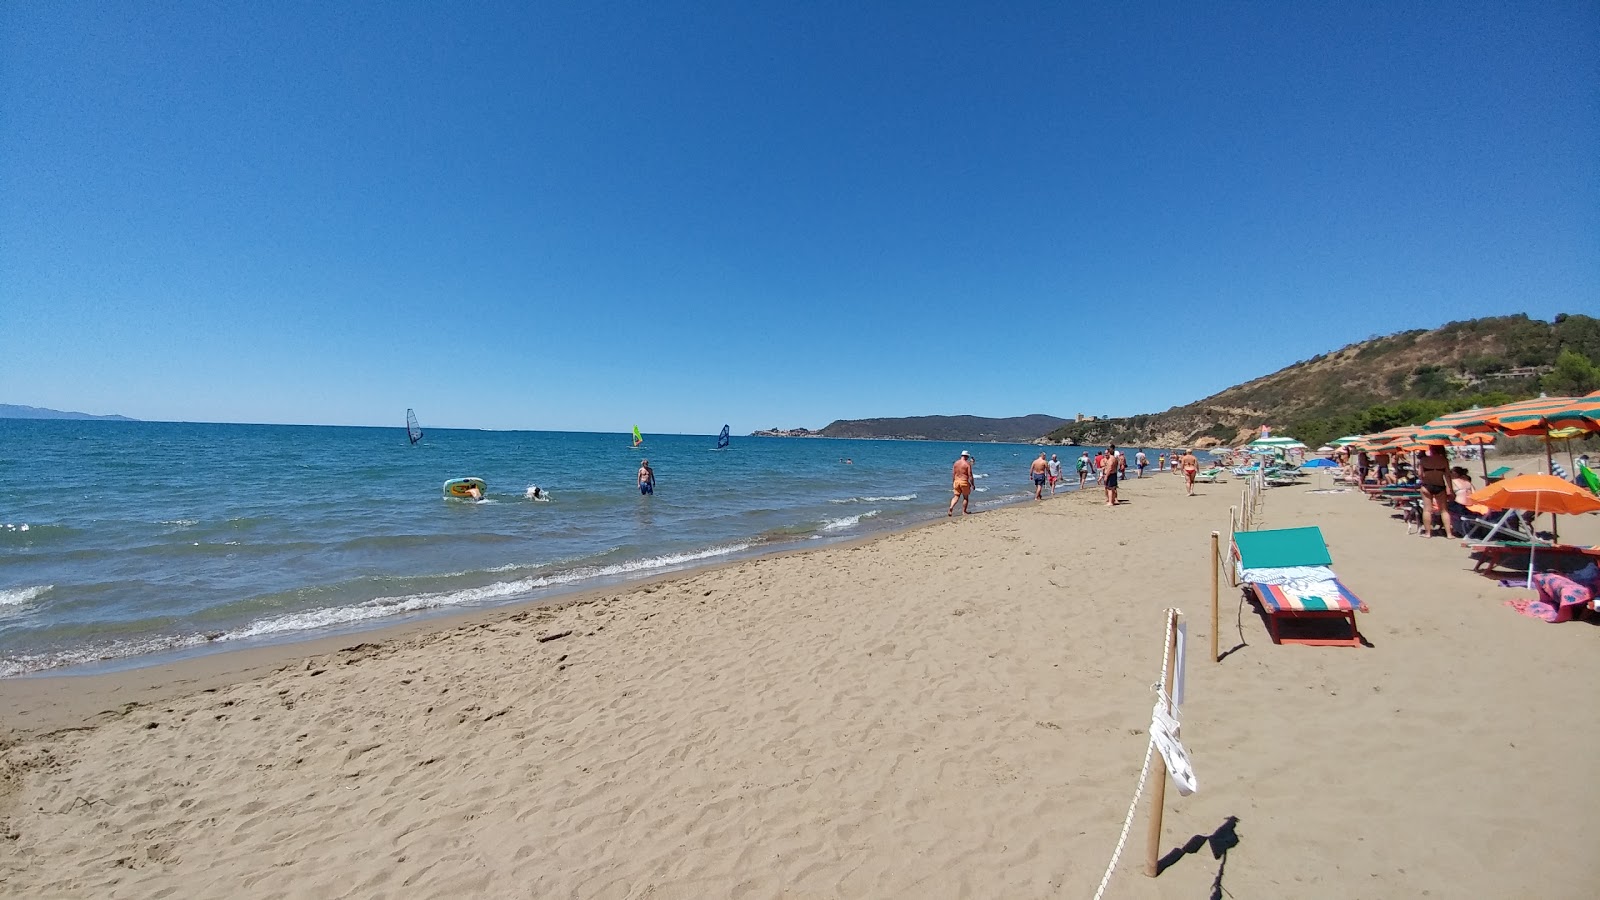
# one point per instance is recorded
(1284, 598)
(1559, 472)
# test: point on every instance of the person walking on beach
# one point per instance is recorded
(1040, 470)
(1055, 473)
(1110, 472)
(961, 483)
(1141, 461)
(1190, 464)
(1083, 468)
(647, 478)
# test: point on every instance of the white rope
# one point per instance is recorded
(1160, 688)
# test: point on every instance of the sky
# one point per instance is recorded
(572, 216)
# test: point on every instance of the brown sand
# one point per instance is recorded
(954, 711)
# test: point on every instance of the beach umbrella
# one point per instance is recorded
(1548, 414)
(1541, 494)
(1319, 464)
(1347, 439)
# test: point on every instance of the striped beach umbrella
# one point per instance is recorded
(1550, 414)
(1384, 440)
(1489, 418)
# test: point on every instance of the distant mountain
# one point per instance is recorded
(1382, 382)
(945, 428)
(8, 411)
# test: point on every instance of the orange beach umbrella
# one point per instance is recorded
(1540, 493)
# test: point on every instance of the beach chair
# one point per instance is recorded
(1287, 571)
(1512, 556)
(1209, 476)
(1496, 475)
(1488, 530)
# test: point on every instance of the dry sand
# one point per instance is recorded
(953, 711)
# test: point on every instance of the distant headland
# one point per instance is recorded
(11, 411)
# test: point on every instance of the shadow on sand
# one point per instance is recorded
(1225, 838)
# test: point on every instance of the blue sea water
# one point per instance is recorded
(120, 541)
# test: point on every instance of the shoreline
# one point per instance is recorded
(933, 712)
(558, 594)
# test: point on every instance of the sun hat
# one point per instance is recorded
(965, 453)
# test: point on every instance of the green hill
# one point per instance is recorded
(945, 428)
(1379, 383)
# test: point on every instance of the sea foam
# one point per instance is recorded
(20, 596)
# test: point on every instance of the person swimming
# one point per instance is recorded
(537, 493)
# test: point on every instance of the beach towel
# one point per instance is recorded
(1286, 598)
(1560, 598)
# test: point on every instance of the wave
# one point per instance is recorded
(847, 521)
(344, 616)
(900, 497)
(20, 596)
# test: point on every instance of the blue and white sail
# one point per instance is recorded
(722, 439)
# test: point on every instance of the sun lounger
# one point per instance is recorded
(1512, 556)
(1209, 476)
(1287, 571)
(1507, 526)
(1496, 475)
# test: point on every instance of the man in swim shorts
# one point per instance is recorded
(1083, 468)
(647, 478)
(1040, 470)
(961, 483)
(1055, 473)
(1190, 464)
(1110, 471)
(1140, 460)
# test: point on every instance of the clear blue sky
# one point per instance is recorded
(585, 216)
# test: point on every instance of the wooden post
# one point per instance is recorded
(1215, 576)
(1158, 799)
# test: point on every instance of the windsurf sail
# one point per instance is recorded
(637, 437)
(413, 430)
(722, 439)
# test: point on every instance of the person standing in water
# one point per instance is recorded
(1140, 460)
(647, 478)
(961, 484)
(1055, 473)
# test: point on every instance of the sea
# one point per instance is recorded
(126, 543)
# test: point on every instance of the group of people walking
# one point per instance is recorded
(1109, 467)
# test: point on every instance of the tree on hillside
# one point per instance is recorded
(1573, 375)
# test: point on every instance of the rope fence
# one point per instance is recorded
(1163, 737)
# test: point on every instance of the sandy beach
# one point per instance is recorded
(958, 710)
